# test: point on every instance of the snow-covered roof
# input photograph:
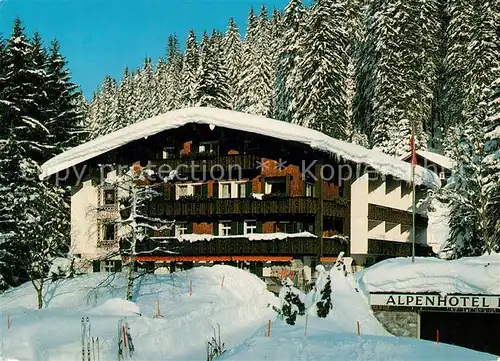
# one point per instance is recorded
(436, 158)
(472, 275)
(381, 162)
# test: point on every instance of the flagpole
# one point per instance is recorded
(413, 161)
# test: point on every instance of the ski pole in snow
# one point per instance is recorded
(305, 329)
(83, 338)
(8, 321)
(98, 352)
(437, 336)
(222, 283)
(190, 288)
(158, 314)
(88, 340)
(269, 328)
(93, 349)
(358, 327)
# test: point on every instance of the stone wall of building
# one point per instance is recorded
(399, 323)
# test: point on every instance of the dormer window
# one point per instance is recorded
(211, 147)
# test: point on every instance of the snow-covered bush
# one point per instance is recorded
(291, 304)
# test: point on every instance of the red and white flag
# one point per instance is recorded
(413, 151)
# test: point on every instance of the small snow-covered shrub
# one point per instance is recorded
(324, 305)
(291, 304)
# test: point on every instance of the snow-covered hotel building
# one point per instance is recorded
(246, 189)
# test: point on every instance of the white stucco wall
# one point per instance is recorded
(86, 219)
(359, 215)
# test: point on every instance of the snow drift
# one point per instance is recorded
(474, 275)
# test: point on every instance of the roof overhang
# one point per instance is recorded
(380, 162)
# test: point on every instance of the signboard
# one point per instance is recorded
(435, 301)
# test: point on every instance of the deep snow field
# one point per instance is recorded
(242, 308)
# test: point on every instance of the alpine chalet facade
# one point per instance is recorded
(244, 190)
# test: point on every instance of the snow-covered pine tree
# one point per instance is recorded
(321, 96)
(146, 101)
(490, 168)
(107, 108)
(291, 304)
(126, 101)
(174, 70)
(232, 59)
(212, 86)
(33, 227)
(287, 67)
(64, 115)
(190, 65)
(256, 83)
(324, 305)
(397, 72)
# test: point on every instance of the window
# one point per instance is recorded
(286, 227)
(181, 228)
(276, 185)
(225, 228)
(250, 227)
(168, 152)
(109, 266)
(182, 190)
(108, 232)
(209, 147)
(109, 196)
(242, 189)
(225, 190)
(197, 189)
(309, 190)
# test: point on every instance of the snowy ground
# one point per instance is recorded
(241, 307)
(53, 333)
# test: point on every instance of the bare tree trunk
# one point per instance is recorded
(130, 278)
(131, 259)
(39, 292)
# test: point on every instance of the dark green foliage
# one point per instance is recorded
(325, 303)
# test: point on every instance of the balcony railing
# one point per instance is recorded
(245, 206)
(242, 246)
(207, 161)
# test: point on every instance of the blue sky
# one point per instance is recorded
(100, 37)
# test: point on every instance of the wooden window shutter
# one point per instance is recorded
(118, 266)
(288, 180)
(240, 227)
(189, 228)
(215, 228)
(204, 189)
(96, 266)
(215, 189)
(248, 189)
(259, 227)
(234, 228)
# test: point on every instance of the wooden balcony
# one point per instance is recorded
(205, 162)
(242, 246)
(245, 206)
(380, 213)
(379, 247)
